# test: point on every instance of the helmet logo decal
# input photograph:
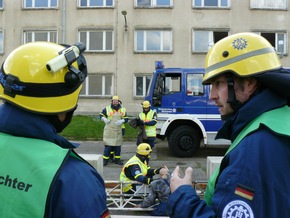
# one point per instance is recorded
(240, 43)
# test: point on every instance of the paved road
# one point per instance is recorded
(161, 155)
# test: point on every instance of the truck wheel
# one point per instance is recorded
(184, 141)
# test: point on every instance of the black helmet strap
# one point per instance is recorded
(232, 100)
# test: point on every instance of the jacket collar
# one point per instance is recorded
(263, 101)
(22, 123)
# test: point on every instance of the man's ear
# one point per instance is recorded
(252, 85)
(61, 116)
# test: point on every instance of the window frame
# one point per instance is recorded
(219, 4)
(96, 6)
(144, 76)
(24, 3)
(145, 41)
(2, 42)
(25, 32)
(86, 85)
(277, 43)
(88, 39)
(257, 4)
(153, 4)
(211, 34)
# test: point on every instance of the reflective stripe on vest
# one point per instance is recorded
(271, 119)
(123, 178)
(150, 130)
(28, 167)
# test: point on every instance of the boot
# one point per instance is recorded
(105, 162)
(118, 161)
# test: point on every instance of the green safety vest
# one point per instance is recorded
(28, 168)
(272, 119)
(123, 178)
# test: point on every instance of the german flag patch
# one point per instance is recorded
(245, 192)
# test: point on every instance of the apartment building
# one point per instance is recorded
(124, 38)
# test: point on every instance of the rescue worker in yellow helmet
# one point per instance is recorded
(114, 116)
(41, 175)
(252, 91)
(137, 169)
(147, 121)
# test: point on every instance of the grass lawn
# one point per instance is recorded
(90, 128)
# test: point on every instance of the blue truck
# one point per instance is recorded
(186, 117)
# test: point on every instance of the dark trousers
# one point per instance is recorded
(116, 150)
(149, 140)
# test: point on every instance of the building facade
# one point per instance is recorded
(124, 38)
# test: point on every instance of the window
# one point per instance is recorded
(153, 3)
(202, 40)
(98, 85)
(1, 42)
(141, 85)
(97, 40)
(40, 3)
(96, 3)
(269, 4)
(211, 3)
(153, 41)
(41, 35)
(1, 4)
(172, 83)
(277, 40)
(194, 85)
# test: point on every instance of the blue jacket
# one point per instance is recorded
(79, 190)
(254, 179)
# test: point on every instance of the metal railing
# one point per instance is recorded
(118, 200)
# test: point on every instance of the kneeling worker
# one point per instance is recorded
(137, 169)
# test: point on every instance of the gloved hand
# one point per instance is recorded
(105, 120)
(161, 170)
(119, 122)
(148, 181)
(141, 122)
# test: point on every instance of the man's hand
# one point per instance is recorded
(177, 181)
(105, 120)
(163, 172)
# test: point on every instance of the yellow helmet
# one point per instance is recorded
(244, 54)
(115, 97)
(43, 77)
(144, 149)
(146, 104)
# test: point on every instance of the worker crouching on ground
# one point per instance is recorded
(114, 116)
(40, 174)
(137, 169)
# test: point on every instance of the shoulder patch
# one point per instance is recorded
(245, 192)
(137, 172)
(237, 209)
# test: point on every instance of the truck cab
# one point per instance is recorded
(185, 115)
